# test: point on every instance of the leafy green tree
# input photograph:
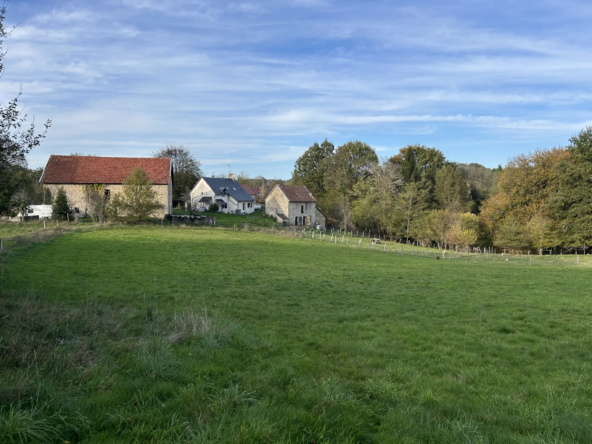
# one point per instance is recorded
(351, 163)
(419, 163)
(511, 234)
(437, 226)
(572, 203)
(309, 169)
(15, 141)
(139, 199)
(409, 207)
(61, 207)
(186, 169)
(375, 197)
(451, 191)
(542, 233)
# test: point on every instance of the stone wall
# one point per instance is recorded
(276, 203)
(320, 219)
(76, 198)
(300, 210)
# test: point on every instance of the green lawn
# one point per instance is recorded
(133, 334)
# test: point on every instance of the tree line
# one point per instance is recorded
(538, 201)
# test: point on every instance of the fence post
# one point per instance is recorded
(553, 259)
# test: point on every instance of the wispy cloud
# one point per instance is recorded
(256, 82)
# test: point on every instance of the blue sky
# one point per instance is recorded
(253, 84)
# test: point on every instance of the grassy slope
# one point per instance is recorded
(308, 341)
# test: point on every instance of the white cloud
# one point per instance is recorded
(257, 83)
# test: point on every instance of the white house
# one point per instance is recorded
(227, 193)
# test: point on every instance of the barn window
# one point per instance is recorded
(107, 194)
(302, 208)
(76, 210)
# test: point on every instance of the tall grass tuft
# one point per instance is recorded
(24, 426)
(211, 330)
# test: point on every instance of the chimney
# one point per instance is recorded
(232, 176)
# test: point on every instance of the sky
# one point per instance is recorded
(249, 86)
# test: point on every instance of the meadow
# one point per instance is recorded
(172, 334)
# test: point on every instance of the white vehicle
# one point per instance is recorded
(34, 212)
(257, 207)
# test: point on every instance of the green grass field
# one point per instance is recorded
(150, 334)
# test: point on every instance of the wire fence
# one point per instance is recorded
(42, 230)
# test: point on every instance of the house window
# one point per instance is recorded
(249, 205)
(76, 210)
(243, 205)
(30, 211)
(107, 194)
(302, 208)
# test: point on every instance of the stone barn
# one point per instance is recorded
(294, 205)
(74, 172)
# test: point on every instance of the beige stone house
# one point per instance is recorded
(293, 205)
(74, 172)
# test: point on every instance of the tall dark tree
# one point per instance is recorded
(61, 206)
(419, 163)
(17, 138)
(186, 169)
(572, 203)
(309, 169)
(451, 191)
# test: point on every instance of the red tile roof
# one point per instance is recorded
(107, 170)
(297, 193)
(251, 190)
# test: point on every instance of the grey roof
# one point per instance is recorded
(233, 188)
(205, 199)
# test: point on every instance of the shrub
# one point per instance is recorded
(139, 198)
(96, 201)
(214, 207)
